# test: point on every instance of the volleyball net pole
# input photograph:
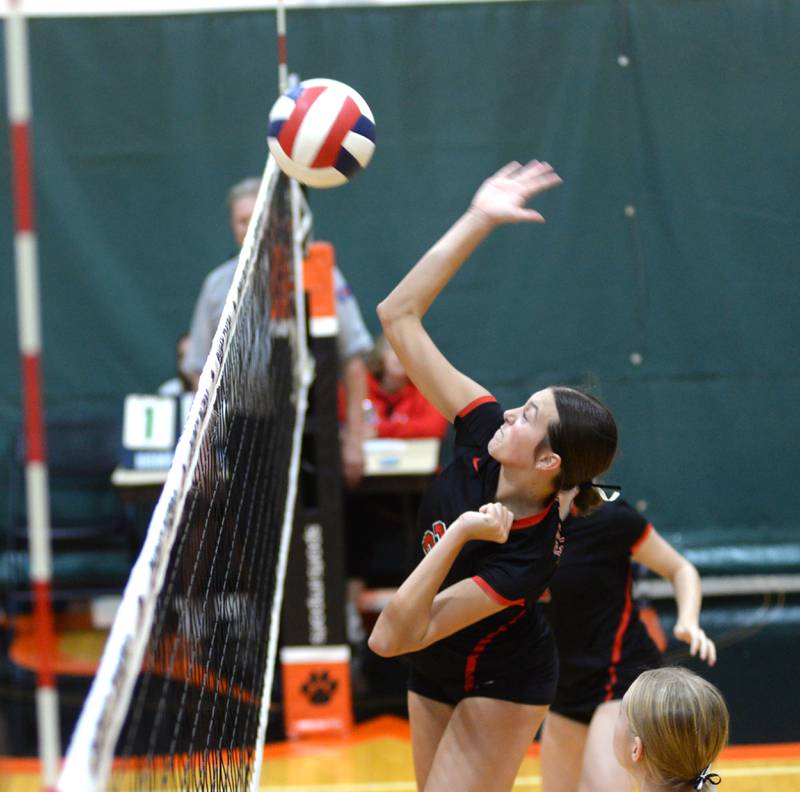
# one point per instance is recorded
(313, 632)
(304, 372)
(30, 348)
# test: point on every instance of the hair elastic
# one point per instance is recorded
(707, 775)
(616, 490)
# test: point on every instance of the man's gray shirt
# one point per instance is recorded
(353, 338)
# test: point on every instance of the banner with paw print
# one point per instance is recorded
(316, 690)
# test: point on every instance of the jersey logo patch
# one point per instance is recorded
(545, 596)
(432, 536)
(558, 543)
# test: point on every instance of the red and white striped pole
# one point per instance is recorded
(29, 329)
(283, 69)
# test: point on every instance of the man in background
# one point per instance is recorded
(180, 383)
(353, 342)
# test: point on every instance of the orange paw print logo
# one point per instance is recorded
(319, 688)
(432, 536)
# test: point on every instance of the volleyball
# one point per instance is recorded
(321, 133)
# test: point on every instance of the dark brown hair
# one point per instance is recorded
(585, 437)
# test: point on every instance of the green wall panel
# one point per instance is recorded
(142, 123)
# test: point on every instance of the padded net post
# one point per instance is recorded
(181, 697)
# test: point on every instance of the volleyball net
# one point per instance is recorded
(181, 697)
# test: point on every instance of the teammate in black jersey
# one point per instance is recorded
(602, 644)
(483, 666)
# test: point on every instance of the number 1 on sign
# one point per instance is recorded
(149, 422)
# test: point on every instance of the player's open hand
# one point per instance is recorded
(502, 197)
(700, 644)
(491, 523)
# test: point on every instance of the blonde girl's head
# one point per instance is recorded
(672, 726)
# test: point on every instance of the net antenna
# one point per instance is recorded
(283, 68)
(181, 697)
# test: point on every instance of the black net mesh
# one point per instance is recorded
(193, 719)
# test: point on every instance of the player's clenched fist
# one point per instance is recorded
(491, 523)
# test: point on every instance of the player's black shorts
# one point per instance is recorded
(536, 685)
(578, 699)
(582, 713)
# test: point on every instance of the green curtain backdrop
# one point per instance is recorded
(674, 237)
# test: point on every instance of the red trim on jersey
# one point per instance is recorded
(545, 596)
(475, 403)
(289, 130)
(480, 648)
(345, 118)
(648, 529)
(475, 461)
(534, 519)
(498, 598)
(616, 650)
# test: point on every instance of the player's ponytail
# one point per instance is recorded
(682, 721)
(585, 437)
(588, 498)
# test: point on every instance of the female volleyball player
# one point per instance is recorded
(482, 659)
(602, 644)
(671, 726)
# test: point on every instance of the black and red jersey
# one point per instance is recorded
(602, 643)
(514, 573)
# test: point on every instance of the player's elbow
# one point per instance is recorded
(388, 312)
(395, 309)
(401, 325)
(388, 639)
(685, 572)
(382, 644)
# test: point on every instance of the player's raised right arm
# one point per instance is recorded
(500, 199)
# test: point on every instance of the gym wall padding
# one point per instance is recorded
(141, 124)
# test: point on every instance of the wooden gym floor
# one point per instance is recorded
(377, 758)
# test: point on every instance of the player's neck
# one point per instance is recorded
(521, 495)
(648, 785)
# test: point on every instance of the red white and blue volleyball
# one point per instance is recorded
(321, 133)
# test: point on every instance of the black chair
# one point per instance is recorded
(93, 543)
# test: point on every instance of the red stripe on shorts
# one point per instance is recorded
(480, 648)
(616, 650)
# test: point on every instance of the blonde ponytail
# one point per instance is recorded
(682, 721)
